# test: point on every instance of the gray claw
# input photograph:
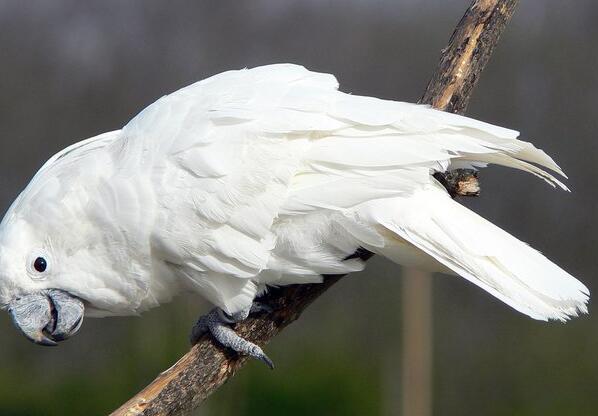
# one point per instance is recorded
(266, 360)
(216, 323)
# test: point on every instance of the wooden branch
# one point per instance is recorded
(467, 53)
(207, 366)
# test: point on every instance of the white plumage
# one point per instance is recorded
(270, 176)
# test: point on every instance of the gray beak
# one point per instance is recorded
(48, 316)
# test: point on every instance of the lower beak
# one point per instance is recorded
(47, 316)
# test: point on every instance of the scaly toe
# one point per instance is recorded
(216, 323)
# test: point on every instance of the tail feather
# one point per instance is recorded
(513, 162)
(482, 253)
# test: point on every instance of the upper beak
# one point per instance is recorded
(48, 316)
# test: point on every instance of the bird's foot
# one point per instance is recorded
(217, 323)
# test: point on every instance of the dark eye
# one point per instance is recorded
(40, 264)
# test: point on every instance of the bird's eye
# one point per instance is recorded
(40, 264)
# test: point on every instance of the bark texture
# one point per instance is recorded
(467, 53)
(202, 370)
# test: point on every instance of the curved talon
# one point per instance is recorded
(216, 322)
(265, 359)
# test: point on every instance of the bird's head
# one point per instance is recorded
(75, 241)
(33, 288)
(53, 262)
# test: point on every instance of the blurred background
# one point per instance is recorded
(70, 70)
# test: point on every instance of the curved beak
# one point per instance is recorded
(48, 316)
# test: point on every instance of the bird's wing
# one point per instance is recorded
(250, 166)
(221, 154)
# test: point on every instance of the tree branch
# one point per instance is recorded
(467, 53)
(207, 366)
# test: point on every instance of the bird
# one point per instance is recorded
(259, 178)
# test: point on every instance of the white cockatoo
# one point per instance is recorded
(262, 177)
